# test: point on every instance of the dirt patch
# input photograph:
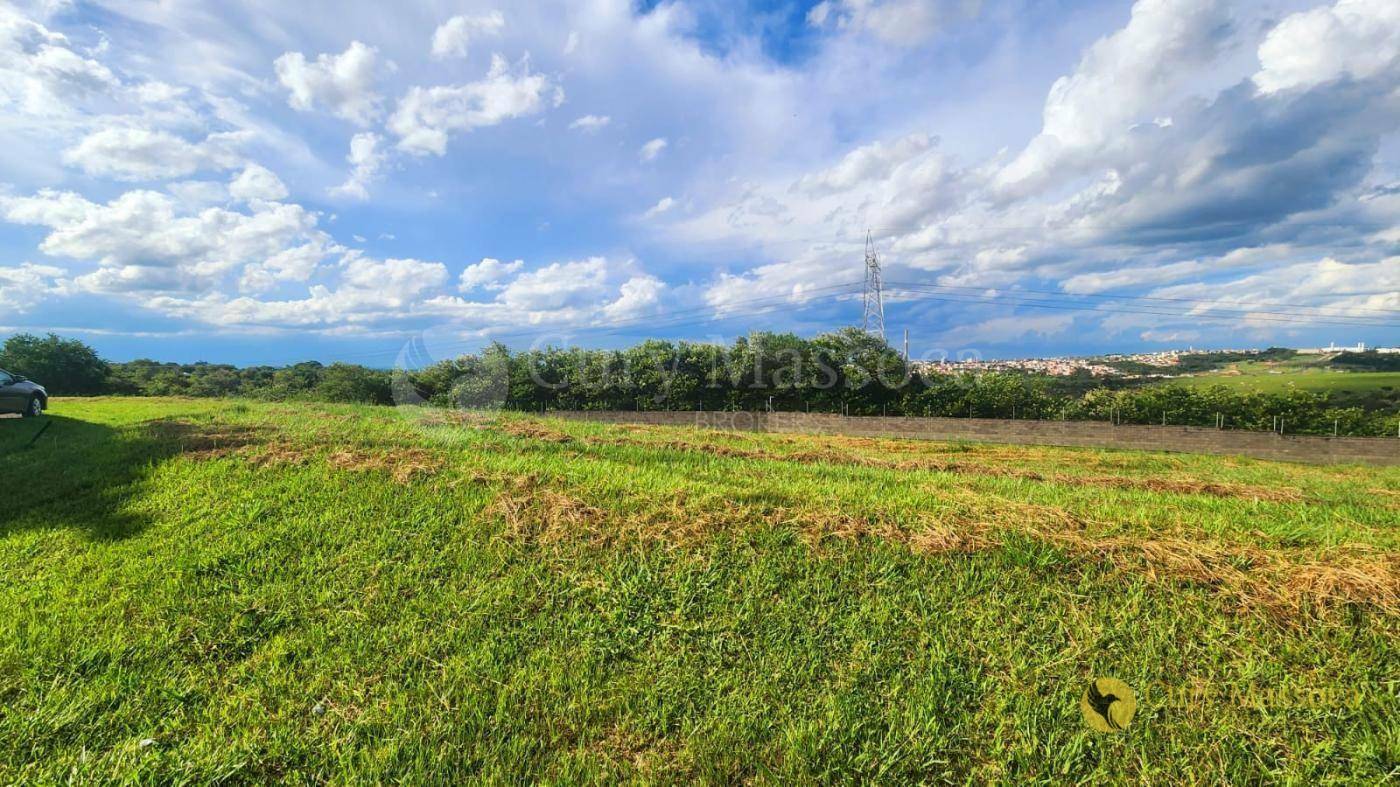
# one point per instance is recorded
(1275, 494)
(534, 431)
(274, 455)
(532, 511)
(204, 440)
(440, 417)
(404, 465)
(1286, 583)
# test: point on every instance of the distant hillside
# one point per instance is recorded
(1370, 361)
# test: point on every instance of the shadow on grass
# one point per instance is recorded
(83, 475)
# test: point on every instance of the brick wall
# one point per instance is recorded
(1188, 439)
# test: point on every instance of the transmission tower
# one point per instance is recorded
(874, 293)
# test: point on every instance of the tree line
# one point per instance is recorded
(846, 371)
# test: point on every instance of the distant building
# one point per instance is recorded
(1333, 348)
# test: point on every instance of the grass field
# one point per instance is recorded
(1305, 375)
(242, 592)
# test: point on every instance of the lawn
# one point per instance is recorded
(199, 590)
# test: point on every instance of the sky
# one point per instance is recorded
(270, 182)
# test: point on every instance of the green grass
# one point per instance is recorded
(330, 593)
(1274, 377)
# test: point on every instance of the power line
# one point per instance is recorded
(932, 294)
(1111, 296)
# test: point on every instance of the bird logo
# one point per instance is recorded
(1108, 705)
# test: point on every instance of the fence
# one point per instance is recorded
(1095, 434)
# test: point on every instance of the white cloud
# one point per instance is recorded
(141, 154)
(256, 182)
(1170, 337)
(652, 149)
(143, 240)
(1351, 289)
(297, 263)
(343, 83)
(1003, 329)
(452, 37)
(426, 116)
(366, 160)
(1356, 38)
(663, 205)
(25, 286)
(561, 293)
(489, 274)
(370, 291)
(637, 296)
(198, 193)
(40, 74)
(1122, 80)
(866, 164)
(900, 22)
(558, 286)
(157, 92)
(1090, 283)
(590, 124)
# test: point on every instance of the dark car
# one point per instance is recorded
(19, 395)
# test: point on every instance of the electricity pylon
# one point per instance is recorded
(874, 320)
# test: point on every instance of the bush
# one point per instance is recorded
(65, 367)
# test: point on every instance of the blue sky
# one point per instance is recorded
(272, 181)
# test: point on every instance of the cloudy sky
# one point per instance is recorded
(269, 181)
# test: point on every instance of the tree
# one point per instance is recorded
(345, 382)
(63, 366)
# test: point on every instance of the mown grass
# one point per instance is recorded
(327, 593)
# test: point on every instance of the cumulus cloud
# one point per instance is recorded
(145, 241)
(370, 291)
(257, 182)
(40, 73)
(366, 160)
(1354, 38)
(141, 154)
(343, 83)
(1357, 289)
(637, 296)
(26, 285)
(1124, 79)
(452, 37)
(569, 292)
(557, 286)
(652, 149)
(489, 274)
(427, 115)
(865, 164)
(590, 124)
